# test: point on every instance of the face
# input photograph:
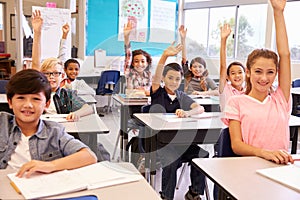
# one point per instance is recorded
(197, 69)
(236, 75)
(72, 71)
(262, 75)
(55, 76)
(28, 107)
(172, 81)
(140, 63)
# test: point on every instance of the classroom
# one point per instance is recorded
(118, 121)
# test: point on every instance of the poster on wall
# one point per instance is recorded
(135, 11)
(162, 21)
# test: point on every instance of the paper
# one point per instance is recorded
(101, 174)
(60, 118)
(172, 117)
(288, 175)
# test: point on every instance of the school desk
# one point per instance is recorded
(210, 103)
(295, 90)
(133, 191)
(89, 99)
(238, 179)
(126, 110)
(188, 131)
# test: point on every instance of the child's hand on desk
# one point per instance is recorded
(35, 166)
(73, 117)
(278, 156)
(181, 113)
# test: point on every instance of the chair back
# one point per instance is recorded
(224, 144)
(296, 83)
(3, 84)
(108, 82)
(145, 108)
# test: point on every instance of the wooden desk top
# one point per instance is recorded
(239, 178)
(133, 191)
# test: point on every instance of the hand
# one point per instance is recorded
(172, 50)
(65, 30)
(182, 32)
(35, 166)
(279, 156)
(72, 116)
(127, 28)
(225, 31)
(278, 5)
(181, 113)
(36, 21)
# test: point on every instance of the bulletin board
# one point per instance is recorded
(102, 29)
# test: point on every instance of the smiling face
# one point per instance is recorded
(72, 71)
(262, 75)
(172, 81)
(139, 63)
(54, 75)
(28, 108)
(236, 76)
(197, 69)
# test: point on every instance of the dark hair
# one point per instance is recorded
(69, 61)
(198, 60)
(203, 84)
(253, 56)
(28, 81)
(172, 66)
(144, 53)
(235, 63)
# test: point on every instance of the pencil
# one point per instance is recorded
(15, 187)
(296, 159)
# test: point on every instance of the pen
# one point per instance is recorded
(15, 187)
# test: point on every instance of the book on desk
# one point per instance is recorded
(131, 98)
(101, 174)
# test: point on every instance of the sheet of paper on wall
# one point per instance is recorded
(99, 58)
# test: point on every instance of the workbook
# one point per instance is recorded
(101, 174)
(172, 117)
(288, 175)
(132, 98)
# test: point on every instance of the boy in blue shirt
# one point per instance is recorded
(168, 99)
(30, 144)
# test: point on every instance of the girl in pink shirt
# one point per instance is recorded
(232, 78)
(258, 120)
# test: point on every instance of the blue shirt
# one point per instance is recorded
(50, 142)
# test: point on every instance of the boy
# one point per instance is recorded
(30, 144)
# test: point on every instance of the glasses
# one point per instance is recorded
(55, 74)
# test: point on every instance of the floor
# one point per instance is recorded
(112, 120)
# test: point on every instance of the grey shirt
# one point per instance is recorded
(194, 85)
(50, 142)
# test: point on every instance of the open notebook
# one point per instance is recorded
(288, 175)
(94, 176)
(171, 117)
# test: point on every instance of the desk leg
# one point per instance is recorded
(123, 133)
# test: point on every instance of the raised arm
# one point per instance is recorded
(128, 55)
(37, 23)
(62, 54)
(170, 51)
(182, 32)
(284, 73)
(225, 32)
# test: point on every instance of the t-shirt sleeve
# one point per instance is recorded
(231, 110)
(211, 84)
(286, 104)
(185, 101)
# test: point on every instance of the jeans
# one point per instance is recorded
(172, 157)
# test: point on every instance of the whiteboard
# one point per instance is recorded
(53, 20)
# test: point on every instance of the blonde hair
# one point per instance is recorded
(50, 62)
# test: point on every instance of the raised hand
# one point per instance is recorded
(65, 30)
(225, 30)
(172, 50)
(182, 32)
(127, 29)
(278, 5)
(36, 20)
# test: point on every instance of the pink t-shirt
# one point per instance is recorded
(228, 92)
(264, 124)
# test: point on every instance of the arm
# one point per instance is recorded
(284, 73)
(62, 54)
(128, 55)
(170, 51)
(37, 22)
(241, 148)
(225, 32)
(195, 109)
(182, 32)
(79, 159)
(83, 111)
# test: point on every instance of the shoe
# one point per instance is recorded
(191, 196)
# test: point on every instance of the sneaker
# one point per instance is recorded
(191, 196)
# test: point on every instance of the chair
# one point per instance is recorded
(3, 84)
(108, 84)
(296, 83)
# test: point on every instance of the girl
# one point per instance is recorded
(137, 65)
(196, 75)
(235, 73)
(168, 99)
(258, 121)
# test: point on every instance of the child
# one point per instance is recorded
(235, 73)
(65, 101)
(26, 139)
(258, 121)
(169, 99)
(196, 77)
(137, 65)
(72, 69)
